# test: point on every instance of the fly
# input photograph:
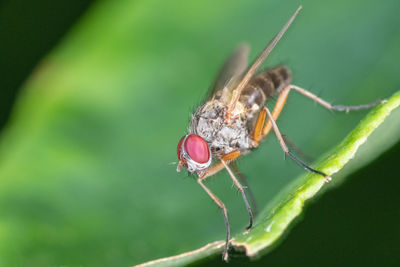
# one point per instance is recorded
(234, 120)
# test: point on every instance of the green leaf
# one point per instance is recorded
(274, 221)
(85, 177)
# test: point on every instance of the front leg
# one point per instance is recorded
(218, 166)
(223, 163)
(224, 212)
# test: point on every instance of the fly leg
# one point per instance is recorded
(217, 167)
(277, 110)
(240, 188)
(260, 132)
(243, 181)
(257, 134)
(280, 103)
(286, 150)
(223, 163)
(329, 105)
(224, 212)
(285, 92)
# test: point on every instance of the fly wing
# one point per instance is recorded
(230, 74)
(254, 67)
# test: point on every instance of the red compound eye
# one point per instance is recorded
(197, 148)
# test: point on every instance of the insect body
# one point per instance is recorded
(232, 121)
(209, 120)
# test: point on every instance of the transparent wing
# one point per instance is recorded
(230, 74)
(254, 67)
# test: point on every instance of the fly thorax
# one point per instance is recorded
(209, 122)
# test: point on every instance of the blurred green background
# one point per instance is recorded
(88, 137)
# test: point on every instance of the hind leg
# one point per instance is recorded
(283, 97)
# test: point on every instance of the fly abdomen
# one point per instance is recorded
(265, 85)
